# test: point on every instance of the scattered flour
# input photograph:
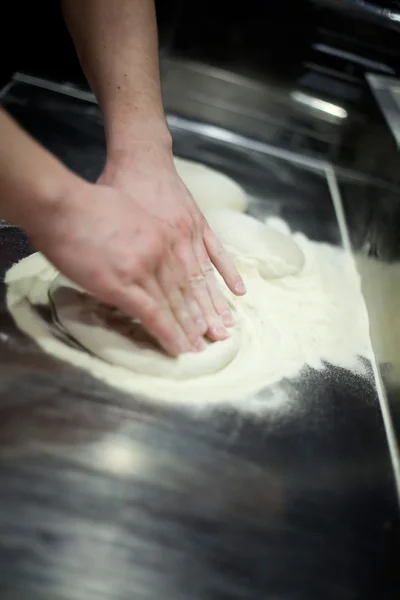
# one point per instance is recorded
(311, 318)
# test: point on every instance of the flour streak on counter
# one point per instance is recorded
(304, 308)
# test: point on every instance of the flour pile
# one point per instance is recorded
(303, 308)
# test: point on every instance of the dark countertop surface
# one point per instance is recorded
(105, 496)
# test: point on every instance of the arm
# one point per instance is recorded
(32, 181)
(68, 218)
(146, 247)
(118, 49)
(117, 45)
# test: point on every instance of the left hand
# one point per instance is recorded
(152, 182)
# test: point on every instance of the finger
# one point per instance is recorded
(197, 286)
(185, 309)
(155, 315)
(222, 262)
(177, 309)
(218, 299)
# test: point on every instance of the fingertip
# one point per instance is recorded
(199, 345)
(228, 318)
(240, 288)
(201, 325)
(217, 332)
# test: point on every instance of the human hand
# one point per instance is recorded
(155, 186)
(114, 249)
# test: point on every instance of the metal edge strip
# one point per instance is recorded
(380, 87)
(393, 446)
(61, 88)
(224, 135)
(4, 90)
(200, 128)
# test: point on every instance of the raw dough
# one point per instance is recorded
(209, 188)
(303, 307)
(119, 340)
(248, 241)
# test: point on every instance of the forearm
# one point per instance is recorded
(118, 49)
(32, 181)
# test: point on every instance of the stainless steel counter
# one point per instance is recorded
(106, 496)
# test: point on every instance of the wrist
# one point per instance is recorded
(139, 141)
(45, 202)
(140, 156)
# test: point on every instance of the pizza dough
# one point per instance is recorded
(292, 315)
(119, 340)
(209, 188)
(250, 241)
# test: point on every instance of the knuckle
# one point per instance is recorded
(196, 281)
(199, 221)
(152, 248)
(184, 226)
(126, 270)
(207, 269)
(180, 254)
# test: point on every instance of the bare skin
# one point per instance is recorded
(135, 239)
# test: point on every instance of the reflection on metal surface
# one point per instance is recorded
(321, 105)
(119, 456)
(66, 89)
(354, 58)
(387, 93)
(379, 11)
(4, 90)
(369, 9)
(235, 139)
(396, 96)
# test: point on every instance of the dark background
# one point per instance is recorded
(257, 37)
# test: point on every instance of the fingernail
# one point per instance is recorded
(240, 287)
(227, 318)
(201, 324)
(199, 345)
(221, 332)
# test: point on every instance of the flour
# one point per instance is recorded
(314, 317)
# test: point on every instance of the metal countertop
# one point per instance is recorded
(106, 496)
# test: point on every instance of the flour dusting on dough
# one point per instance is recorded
(311, 318)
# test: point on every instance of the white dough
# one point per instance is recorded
(303, 307)
(209, 188)
(119, 340)
(315, 317)
(249, 240)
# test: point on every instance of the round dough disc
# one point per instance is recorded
(117, 339)
(275, 253)
(211, 189)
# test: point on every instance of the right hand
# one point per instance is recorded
(109, 245)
